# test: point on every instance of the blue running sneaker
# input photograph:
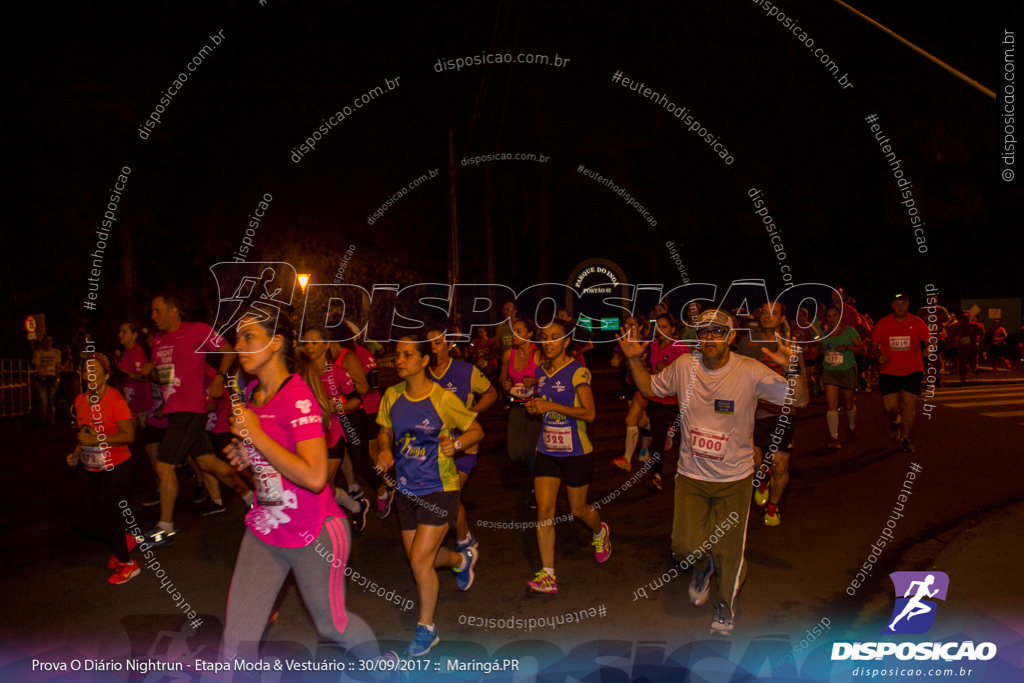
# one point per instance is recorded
(424, 639)
(464, 577)
(471, 543)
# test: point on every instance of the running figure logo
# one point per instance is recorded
(914, 612)
(264, 288)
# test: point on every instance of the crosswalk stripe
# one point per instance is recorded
(980, 390)
(1006, 413)
(975, 404)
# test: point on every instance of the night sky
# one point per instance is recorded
(83, 78)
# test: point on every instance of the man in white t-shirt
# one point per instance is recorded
(718, 393)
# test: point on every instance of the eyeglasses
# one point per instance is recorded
(713, 332)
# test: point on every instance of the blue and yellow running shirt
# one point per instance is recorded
(563, 436)
(418, 425)
(465, 381)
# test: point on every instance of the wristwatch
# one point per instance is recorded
(458, 445)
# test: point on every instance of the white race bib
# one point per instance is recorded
(899, 343)
(706, 443)
(557, 439)
(269, 488)
(965, 341)
(93, 457)
(834, 358)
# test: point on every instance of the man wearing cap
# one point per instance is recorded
(718, 393)
(898, 339)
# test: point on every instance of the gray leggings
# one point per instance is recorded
(260, 572)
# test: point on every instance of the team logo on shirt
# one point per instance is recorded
(725, 407)
(407, 450)
(305, 405)
(425, 426)
(451, 387)
(558, 386)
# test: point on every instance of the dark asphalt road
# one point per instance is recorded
(58, 601)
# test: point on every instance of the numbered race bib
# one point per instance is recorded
(557, 439)
(705, 443)
(834, 358)
(93, 457)
(522, 393)
(165, 374)
(899, 343)
(965, 341)
(268, 485)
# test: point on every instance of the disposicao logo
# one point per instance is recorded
(916, 592)
(913, 614)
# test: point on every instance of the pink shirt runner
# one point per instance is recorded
(285, 514)
(179, 359)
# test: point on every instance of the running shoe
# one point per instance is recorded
(152, 500)
(209, 507)
(464, 577)
(643, 456)
(906, 446)
(384, 504)
(834, 443)
(132, 544)
(603, 544)
(621, 463)
(531, 502)
(424, 639)
(543, 583)
(761, 493)
(124, 573)
(358, 519)
(772, 517)
(355, 492)
(654, 483)
(158, 537)
(894, 431)
(471, 543)
(201, 495)
(722, 624)
(700, 585)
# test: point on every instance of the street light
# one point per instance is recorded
(303, 280)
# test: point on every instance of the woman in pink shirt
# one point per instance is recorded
(295, 525)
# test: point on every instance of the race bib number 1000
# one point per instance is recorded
(705, 443)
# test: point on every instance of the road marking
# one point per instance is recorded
(1006, 413)
(984, 403)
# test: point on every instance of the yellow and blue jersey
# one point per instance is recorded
(418, 425)
(562, 436)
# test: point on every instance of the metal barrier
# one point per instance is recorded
(15, 388)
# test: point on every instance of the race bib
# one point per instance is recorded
(93, 457)
(705, 443)
(269, 487)
(965, 341)
(834, 358)
(165, 374)
(557, 439)
(899, 343)
(522, 393)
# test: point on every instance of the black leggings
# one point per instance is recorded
(99, 516)
(662, 417)
(359, 431)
